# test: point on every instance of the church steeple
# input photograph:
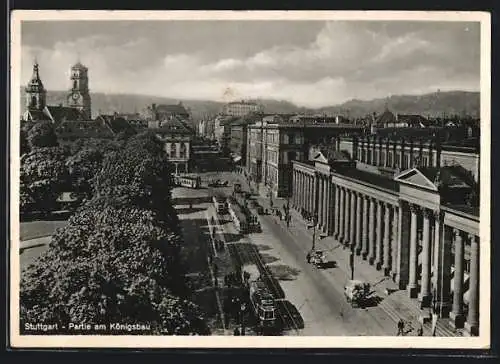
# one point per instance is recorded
(79, 96)
(35, 92)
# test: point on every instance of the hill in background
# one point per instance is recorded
(435, 104)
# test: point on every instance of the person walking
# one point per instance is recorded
(308, 257)
(420, 331)
(401, 327)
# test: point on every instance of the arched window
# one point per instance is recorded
(183, 151)
(75, 84)
(33, 101)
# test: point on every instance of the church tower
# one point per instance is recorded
(35, 92)
(79, 96)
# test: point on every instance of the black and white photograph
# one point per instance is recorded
(250, 179)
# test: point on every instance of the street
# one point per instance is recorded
(311, 301)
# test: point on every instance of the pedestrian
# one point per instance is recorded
(401, 327)
(420, 331)
(308, 257)
(236, 332)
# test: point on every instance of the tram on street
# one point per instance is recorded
(220, 203)
(188, 181)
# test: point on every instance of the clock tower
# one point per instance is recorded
(79, 96)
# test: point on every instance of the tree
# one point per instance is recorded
(82, 167)
(42, 134)
(106, 266)
(140, 175)
(43, 176)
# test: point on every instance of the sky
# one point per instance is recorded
(308, 63)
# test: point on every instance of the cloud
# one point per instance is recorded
(343, 60)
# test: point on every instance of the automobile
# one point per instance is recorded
(318, 258)
(357, 292)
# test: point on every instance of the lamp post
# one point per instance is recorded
(351, 261)
(315, 218)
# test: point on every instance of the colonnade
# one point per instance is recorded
(411, 243)
(401, 154)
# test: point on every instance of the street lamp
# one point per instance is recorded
(351, 261)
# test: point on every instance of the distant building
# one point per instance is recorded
(274, 142)
(78, 109)
(177, 137)
(238, 131)
(242, 108)
(165, 112)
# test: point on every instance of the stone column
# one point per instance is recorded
(352, 226)
(378, 251)
(425, 294)
(311, 194)
(387, 147)
(326, 204)
(302, 191)
(336, 212)
(321, 202)
(371, 232)
(380, 147)
(330, 206)
(442, 268)
(359, 212)
(394, 151)
(403, 245)
(472, 324)
(387, 239)
(364, 229)
(394, 243)
(347, 216)
(402, 155)
(457, 313)
(341, 215)
(412, 277)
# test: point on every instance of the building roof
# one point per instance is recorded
(371, 178)
(36, 115)
(173, 126)
(60, 113)
(115, 123)
(386, 117)
(35, 84)
(83, 129)
(79, 66)
(413, 120)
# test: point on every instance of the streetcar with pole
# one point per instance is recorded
(260, 298)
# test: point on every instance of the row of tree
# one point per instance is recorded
(117, 260)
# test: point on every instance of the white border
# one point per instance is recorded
(480, 342)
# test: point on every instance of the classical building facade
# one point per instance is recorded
(415, 227)
(388, 155)
(275, 142)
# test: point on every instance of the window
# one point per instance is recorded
(75, 84)
(33, 101)
(173, 150)
(182, 153)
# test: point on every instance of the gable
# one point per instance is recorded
(320, 158)
(416, 178)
